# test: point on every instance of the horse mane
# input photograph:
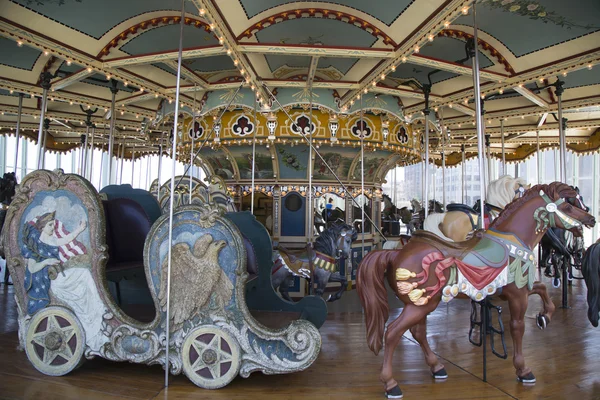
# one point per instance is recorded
(501, 191)
(554, 190)
(325, 243)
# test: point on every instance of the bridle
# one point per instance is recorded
(544, 215)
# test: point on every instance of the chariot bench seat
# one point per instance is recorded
(127, 226)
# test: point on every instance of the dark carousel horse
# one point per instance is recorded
(561, 248)
(590, 268)
(434, 207)
(8, 187)
(333, 243)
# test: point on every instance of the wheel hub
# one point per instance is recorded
(53, 341)
(209, 357)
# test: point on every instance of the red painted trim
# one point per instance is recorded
(307, 46)
(312, 13)
(163, 52)
(151, 23)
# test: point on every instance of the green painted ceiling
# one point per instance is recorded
(326, 32)
(19, 57)
(166, 38)
(384, 10)
(583, 77)
(541, 23)
(102, 15)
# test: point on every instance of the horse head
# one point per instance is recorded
(564, 209)
(343, 236)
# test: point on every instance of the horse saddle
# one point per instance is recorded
(460, 207)
(295, 262)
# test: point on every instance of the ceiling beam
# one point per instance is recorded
(188, 74)
(66, 97)
(71, 79)
(529, 95)
(430, 28)
(569, 64)
(16, 32)
(452, 67)
(220, 28)
(151, 58)
(308, 50)
(408, 93)
(312, 70)
(542, 120)
(528, 111)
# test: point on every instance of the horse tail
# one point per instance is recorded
(370, 284)
(591, 273)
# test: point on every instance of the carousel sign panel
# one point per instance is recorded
(263, 162)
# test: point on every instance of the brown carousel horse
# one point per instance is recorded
(429, 269)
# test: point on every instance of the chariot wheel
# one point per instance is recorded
(211, 357)
(55, 341)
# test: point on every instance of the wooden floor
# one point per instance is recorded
(565, 359)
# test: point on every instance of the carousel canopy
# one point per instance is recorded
(362, 65)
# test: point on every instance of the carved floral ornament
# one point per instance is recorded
(303, 125)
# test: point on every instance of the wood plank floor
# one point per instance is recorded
(565, 359)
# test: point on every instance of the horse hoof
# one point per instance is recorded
(394, 393)
(556, 283)
(441, 374)
(330, 298)
(529, 378)
(542, 321)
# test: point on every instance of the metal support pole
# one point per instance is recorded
(426, 92)
(595, 196)
(122, 160)
(252, 188)
(478, 116)
(132, 166)
(19, 113)
(362, 178)
(111, 132)
(537, 156)
(192, 149)
(561, 132)
(444, 137)
(91, 163)
(159, 180)
(46, 134)
(489, 160)
(171, 202)
(503, 149)
(462, 179)
(310, 206)
(45, 77)
(85, 152)
(101, 167)
(83, 139)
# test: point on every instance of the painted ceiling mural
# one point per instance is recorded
(344, 56)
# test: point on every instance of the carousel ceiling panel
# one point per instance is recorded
(316, 32)
(211, 64)
(373, 160)
(384, 10)
(451, 49)
(292, 161)
(245, 97)
(166, 38)
(526, 26)
(339, 159)
(419, 73)
(301, 95)
(23, 57)
(219, 162)
(378, 102)
(583, 77)
(95, 18)
(342, 65)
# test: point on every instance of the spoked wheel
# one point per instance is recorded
(55, 341)
(211, 357)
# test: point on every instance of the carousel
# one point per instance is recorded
(219, 188)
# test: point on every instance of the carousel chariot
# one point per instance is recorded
(55, 243)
